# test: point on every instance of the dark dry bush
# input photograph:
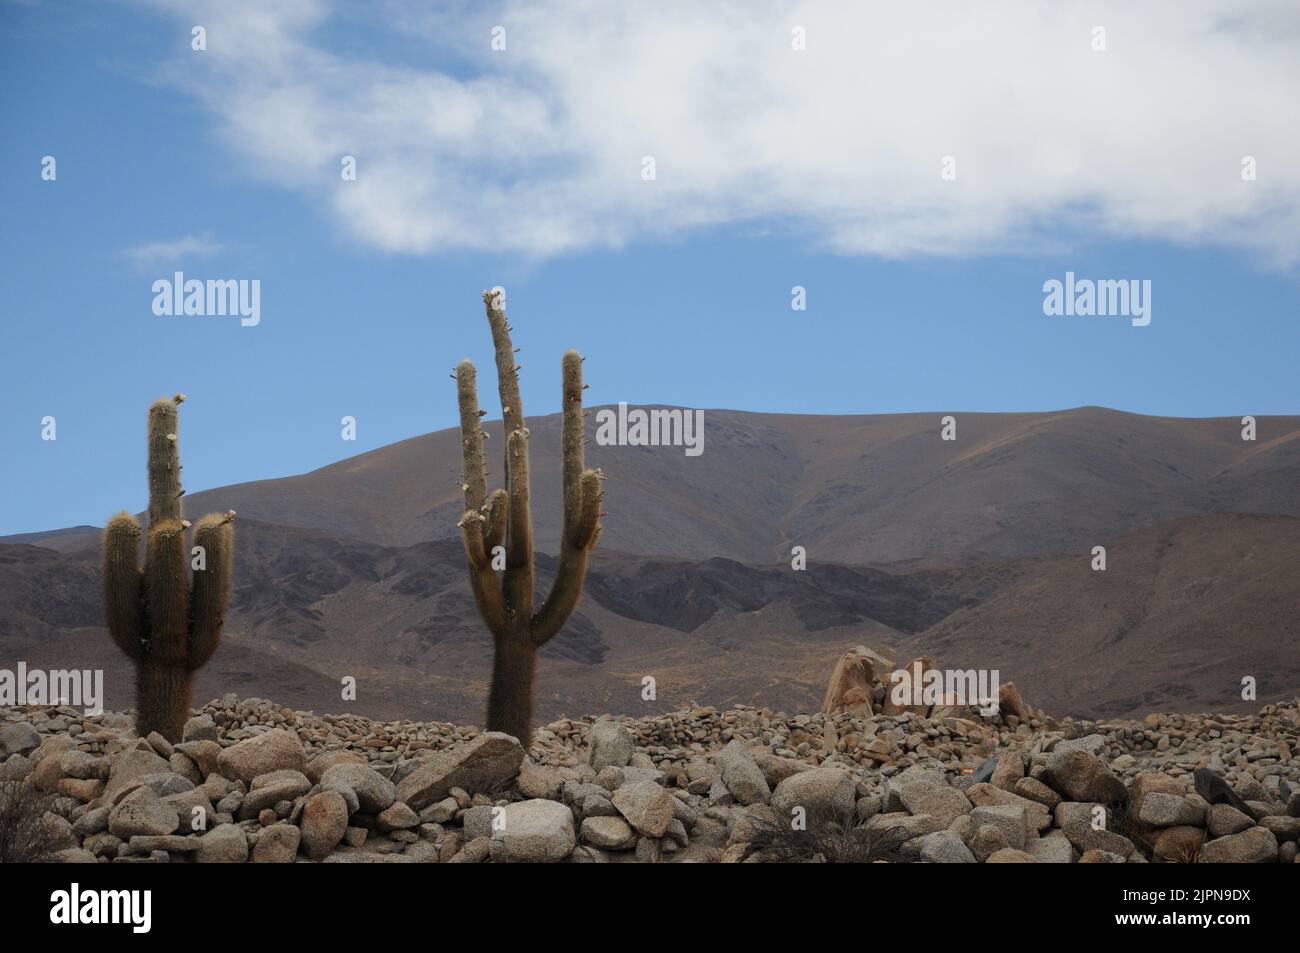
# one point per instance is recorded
(835, 839)
(26, 836)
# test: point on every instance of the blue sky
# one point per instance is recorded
(167, 161)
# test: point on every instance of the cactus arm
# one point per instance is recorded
(494, 530)
(124, 586)
(566, 590)
(164, 461)
(487, 592)
(518, 583)
(167, 587)
(483, 581)
(211, 587)
(571, 434)
(471, 436)
(519, 535)
(512, 408)
(582, 501)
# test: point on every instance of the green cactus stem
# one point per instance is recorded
(168, 625)
(506, 603)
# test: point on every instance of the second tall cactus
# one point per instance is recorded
(162, 624)
(506, 603)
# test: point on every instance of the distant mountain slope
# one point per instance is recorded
(852, 490)
(1183, 611)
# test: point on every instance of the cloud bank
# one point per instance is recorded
(540, 148)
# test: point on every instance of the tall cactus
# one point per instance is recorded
(168, 629)
(506, 605)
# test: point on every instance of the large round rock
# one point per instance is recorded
(277, 750)
(821, 792)
(533, 832)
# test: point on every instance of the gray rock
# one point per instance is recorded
(490, 761)
(1160, 809)
(269, 790)
(608, 833)
(646, 806)
(374, 792)
(1258, 845)
(324, 821)
(1224, 819)
(1055, 848)
(1081, 777)
(199, 728)
(193, 807)
(1284, 828)
(609, 744)
(986, 841)
(477, 822)
(474, 852)
(171, 843)
(1216, 790)
(93, 821)
(440, 812)
(1092, 744)
(397, 817)
(538, 781)
(269, 751)
(536, 831)
(742, 775)
(142, 812)
(18, 738)
(129, 767)
(277, 844)
(825, 793)
(945, 804)
(1077, 822)
(942, 847)
(649, 850)
(224, 844)
(1010, 819)
(596, 805)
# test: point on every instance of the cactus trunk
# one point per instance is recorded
(510, 699)
(162, 698)
(168, 626)
(505, 519)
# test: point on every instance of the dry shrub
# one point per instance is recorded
(25, 835)
(837, 839)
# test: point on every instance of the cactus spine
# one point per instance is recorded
(166, 627)
(506, 605)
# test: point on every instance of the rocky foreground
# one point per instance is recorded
(255, 782)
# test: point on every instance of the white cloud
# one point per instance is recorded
(538, 149)
(153, 254)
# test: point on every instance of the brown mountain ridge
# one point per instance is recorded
(976, 552)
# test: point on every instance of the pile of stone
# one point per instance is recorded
(251, 781)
